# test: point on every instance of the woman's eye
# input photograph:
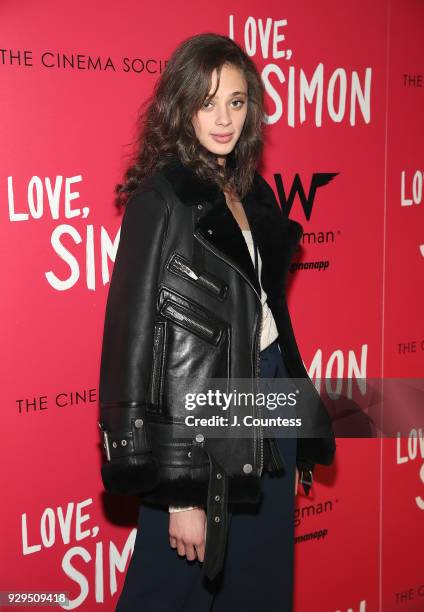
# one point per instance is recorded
(236, 103)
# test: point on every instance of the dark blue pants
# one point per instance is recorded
(258, 571)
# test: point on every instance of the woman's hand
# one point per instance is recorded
(297, 480)
(187, 533)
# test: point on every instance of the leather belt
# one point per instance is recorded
(216, 511)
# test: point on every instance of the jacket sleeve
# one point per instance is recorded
(127, 346)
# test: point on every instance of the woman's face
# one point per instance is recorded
(219, 122)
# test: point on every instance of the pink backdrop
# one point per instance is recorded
(64, 131)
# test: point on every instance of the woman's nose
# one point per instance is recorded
(223, 117)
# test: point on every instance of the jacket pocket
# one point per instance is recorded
(192, 320)
(196, 351)
(178, 264)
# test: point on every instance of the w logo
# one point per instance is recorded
(319, 179)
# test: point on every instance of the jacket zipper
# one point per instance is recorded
(157, 357)
(185, 269)
(205, 281)
(257, 335)
(177, 313)
(258, 359)
(189, 443)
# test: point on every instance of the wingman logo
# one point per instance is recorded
(319, 179)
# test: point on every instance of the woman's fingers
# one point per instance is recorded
(190, 552)
(187, 531)
(200, 549)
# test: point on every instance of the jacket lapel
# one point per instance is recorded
(219, 227)
(275, 234)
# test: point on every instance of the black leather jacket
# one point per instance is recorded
(183, 304)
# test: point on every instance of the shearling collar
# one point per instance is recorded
(275, 234)
(187, 186)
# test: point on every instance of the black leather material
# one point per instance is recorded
(183, 306)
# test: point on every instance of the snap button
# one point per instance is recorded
(219, 475)
(297, 391)
(217, 498)
(189, 453)
(247, 468)
(210, 231)
(200, 206)
(199, 437)
(138, 423)
(114, 444)
(123, 442)
(217, 519)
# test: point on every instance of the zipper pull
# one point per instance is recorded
(188, 270)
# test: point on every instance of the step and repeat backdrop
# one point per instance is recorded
(345, 112)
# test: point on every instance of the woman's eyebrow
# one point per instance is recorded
(235, 93)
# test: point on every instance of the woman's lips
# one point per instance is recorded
(219, 138)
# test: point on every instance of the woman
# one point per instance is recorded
(197, 295)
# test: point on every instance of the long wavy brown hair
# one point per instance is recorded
(164, 126)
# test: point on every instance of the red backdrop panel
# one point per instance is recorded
(344, 104)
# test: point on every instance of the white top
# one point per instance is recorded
(269, 330)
